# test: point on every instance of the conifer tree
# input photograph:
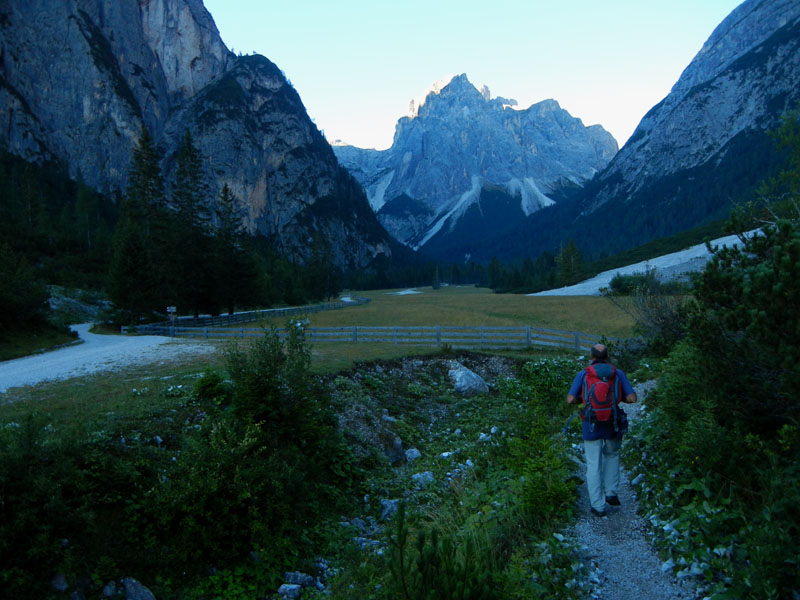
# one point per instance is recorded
(322, 276)
(236, 274)
(495, 274)
(570, 264)
(138, 271)
(192, 275)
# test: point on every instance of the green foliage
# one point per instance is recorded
(211, 388)
(570, 264)
(61, 227)
(722, 436)
(548, 491)
(646, 282)
(198, 487)
(658, 309)
(23, 297)
(744, 318)
(437, 567)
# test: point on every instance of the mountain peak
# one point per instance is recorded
(461, 145)
(455, 86)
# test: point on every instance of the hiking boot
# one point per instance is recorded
(613, 500)
(598, 513)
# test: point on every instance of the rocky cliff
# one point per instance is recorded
(711, 128)
(461, 143)
(701, 150)
(79, 79)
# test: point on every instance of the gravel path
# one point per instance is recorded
(96, 353)
(622, 562)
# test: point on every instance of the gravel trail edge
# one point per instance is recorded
(622, 562)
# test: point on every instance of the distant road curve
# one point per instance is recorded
(96, 353)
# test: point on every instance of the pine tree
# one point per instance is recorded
(140, 246)
(570, 264)
(23, 297)
(437, 283)
(192, 274)
(495, 274)
(236, 274)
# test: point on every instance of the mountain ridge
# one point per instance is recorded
(80, 80)
(695, 155)
(460, 140)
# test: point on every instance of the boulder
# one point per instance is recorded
(290, 590)
(467, 382)
(135, 590)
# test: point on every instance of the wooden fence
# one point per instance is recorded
(253, 316)
(455, 337)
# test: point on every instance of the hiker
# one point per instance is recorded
(604, 422)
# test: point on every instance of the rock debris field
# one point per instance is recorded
(95, 354)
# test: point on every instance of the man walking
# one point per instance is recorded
(602, 427)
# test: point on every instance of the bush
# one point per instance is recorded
(723, 429)
(657, 308)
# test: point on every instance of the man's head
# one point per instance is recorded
(599, 352)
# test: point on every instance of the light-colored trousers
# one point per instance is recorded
(602, 470)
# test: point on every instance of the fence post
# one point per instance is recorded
(355, 333)
(205, 332)
(395, 335)
(577, 342)
(482, 338)
(528, 336)
(438, 335)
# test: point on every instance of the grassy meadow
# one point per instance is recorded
(474, 307)
(460, 306)
(111, 393)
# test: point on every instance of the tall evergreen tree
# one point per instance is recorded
(323, 279)
(236, 273)
(140, 246)
(495, 274)
(192, 273)
(23, 297)
(570, 264)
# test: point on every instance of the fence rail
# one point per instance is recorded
(455, 337)
(252, 316)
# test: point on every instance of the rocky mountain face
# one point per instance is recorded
(79, 79)
(701, 150)
(465, 162)
(706, 144)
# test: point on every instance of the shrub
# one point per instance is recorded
(723, 425)
(657, 308)
(437, 566)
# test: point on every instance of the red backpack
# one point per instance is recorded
(602, 392)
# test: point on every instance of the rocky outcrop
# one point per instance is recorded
(79, 80)
(461, 142)
(743, 80)
(703, 149)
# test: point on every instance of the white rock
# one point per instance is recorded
(413, 454)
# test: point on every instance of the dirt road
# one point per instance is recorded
(96, 353)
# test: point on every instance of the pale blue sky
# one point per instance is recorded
(357, 63)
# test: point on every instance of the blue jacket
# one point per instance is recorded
(598, 431)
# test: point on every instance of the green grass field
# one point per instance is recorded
(465, 306)
(474, 307)
(453, 306)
